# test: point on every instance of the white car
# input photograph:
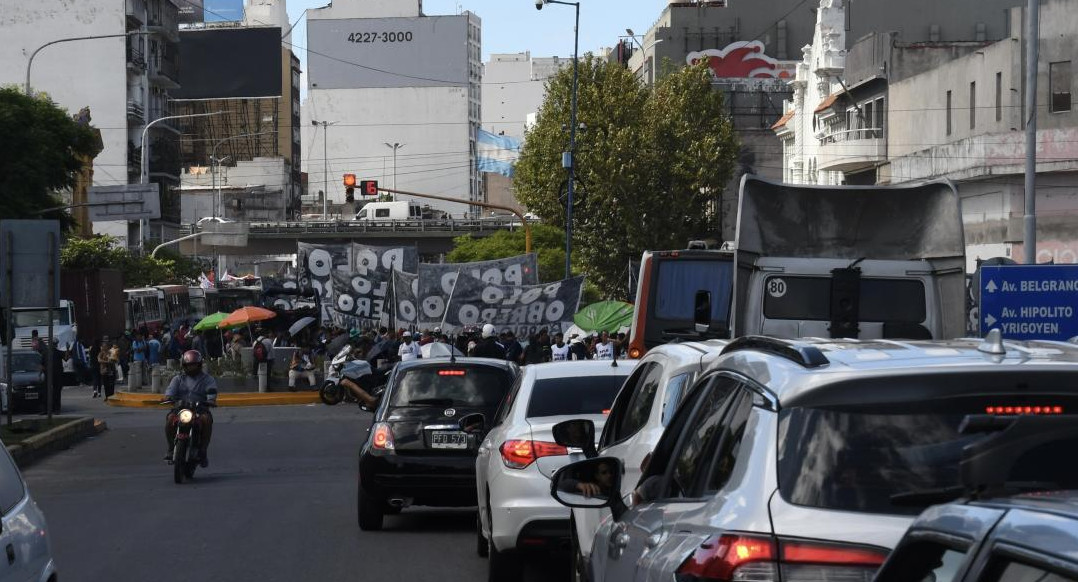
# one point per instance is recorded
(519, 455)
(23, 533)
(644, 406)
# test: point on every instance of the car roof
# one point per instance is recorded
(687, 353)
(791, 367)
(579, 367)
(1060, 503)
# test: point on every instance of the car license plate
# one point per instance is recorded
(448, 440)
(29, 395)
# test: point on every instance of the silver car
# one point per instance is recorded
(24, 537)
(806, 460)
(644, 406)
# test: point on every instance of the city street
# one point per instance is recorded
(277, 503)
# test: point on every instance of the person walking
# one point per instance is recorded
(108, 360)
(559, 352)
(604, 348)
(139, 351)
(95, 365)
(408, 350)
(538, 350)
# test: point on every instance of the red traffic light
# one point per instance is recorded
(350, 180)
(369, 187)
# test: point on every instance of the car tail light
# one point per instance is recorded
(1011, 410)
(383, 437)
(450, 372)
(740, 558)
(518, 454)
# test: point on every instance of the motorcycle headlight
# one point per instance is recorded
(186, 416)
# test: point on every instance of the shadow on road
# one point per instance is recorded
(430, 520)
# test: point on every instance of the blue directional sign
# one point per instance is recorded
(1028, 302)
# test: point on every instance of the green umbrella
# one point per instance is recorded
(605, 316)
(210, 321)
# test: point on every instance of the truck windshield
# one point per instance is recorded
(678, 281)
(40, 318)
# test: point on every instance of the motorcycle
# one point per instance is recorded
(344, 366)
(186, 444)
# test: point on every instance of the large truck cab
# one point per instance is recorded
(885, 262)
(28, 320)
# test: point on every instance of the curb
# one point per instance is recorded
(143, 400)
(55, 439)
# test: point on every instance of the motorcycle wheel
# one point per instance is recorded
(189, 470)
(331, 394)
(179, 461)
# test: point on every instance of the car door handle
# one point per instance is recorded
(10, 554)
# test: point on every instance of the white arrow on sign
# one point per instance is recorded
(990, 320)
(991, 287)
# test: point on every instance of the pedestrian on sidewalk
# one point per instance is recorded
(139, 353)
(95, 365)
(108, 360)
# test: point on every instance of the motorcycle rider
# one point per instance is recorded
(194, 386)
(361, 346)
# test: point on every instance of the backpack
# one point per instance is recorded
(260, 351)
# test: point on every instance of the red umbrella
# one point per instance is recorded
(245, 316)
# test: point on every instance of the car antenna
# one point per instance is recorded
(614, 364)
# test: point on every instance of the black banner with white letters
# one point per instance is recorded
(525, 309)
(436, 282)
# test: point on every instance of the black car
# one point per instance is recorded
(416, 452)
(28, 381)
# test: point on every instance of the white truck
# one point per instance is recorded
(28, 320)
(380, 211)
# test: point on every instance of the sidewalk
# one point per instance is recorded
(275, 398)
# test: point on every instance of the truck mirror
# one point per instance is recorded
(702, 311)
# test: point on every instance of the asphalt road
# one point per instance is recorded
(277, 503)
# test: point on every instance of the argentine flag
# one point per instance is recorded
(497, 153)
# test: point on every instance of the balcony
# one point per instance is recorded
(165, 71)
(136, 13)
(852, 150)
(136, 58)
(136, 113)
(164, 19)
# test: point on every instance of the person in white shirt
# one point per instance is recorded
(409, 350)
(559, 351)
(604, 350)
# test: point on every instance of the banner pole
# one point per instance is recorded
(452, 292)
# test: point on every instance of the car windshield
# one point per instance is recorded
(856, 459)
(26, 363)
(478, 386)
(590, 394)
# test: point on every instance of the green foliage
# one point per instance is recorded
(651, 165)
(39, 155)
(101, 252)
(548, 243)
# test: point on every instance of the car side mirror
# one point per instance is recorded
(702, 311)
(474, 423)
(578, 433)
(590, 483)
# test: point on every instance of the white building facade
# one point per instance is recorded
(394, 96)
(124, 81)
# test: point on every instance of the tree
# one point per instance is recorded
(39, 155)
(651, 164)
(101, 252)
(548, 243)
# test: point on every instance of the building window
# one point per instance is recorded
(973, 105)
(999, 96)
(879, 117)
(948, 113)
(1059, 75)
(866, 123)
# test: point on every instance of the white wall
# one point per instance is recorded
(514, 85)
(430, 121)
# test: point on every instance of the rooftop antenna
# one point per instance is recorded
(993, 344)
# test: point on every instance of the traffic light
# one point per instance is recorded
(349, 187)
(368, 187)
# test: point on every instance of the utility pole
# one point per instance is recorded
(394, 146)
(325, 165)
(1029, 221)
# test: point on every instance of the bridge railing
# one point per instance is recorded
(345, 227)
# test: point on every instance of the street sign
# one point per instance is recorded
(368, 188)
(125, 202)
(1028, 302)
(25, 251)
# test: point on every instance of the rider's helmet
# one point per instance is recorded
(191, 362)
(488, 331)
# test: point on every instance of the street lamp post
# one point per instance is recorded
(325, 165)
(30, 63)
(394, 146)
(567, 158)
(144, 174)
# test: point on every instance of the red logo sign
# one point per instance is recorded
(743, 60)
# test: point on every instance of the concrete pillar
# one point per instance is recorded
(263, 377)
(156, 380)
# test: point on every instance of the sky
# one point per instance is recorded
(513, 26)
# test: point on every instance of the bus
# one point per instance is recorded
(145, 308)
(666, 293)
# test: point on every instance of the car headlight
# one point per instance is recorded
(186, 416)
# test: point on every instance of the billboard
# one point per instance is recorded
(191, 12)
(427, 51)
(230, 62)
